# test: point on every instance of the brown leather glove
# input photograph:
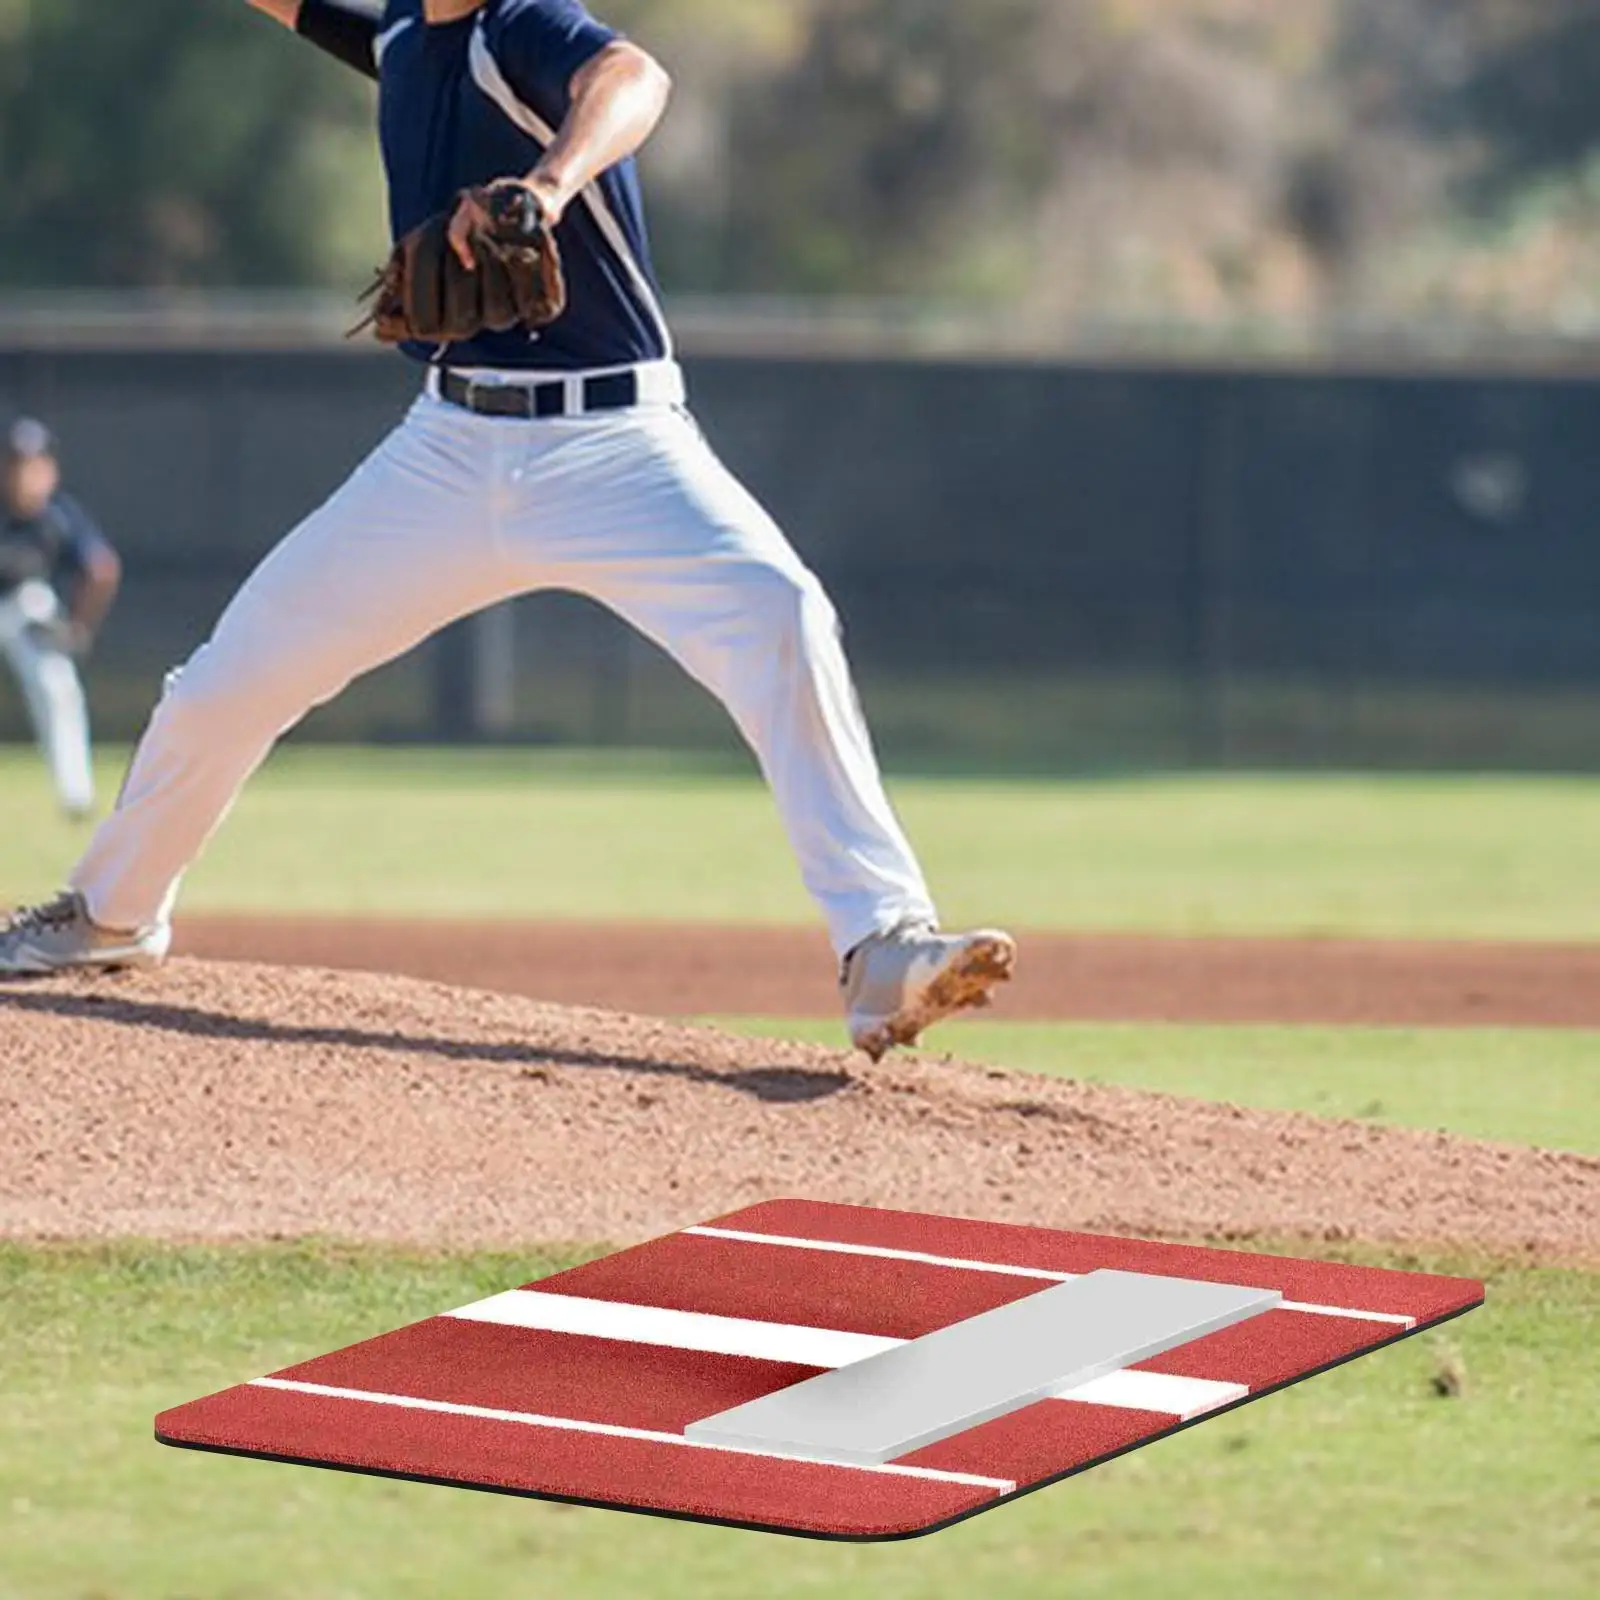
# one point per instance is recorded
(426, 293)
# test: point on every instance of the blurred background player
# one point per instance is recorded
(58, 579)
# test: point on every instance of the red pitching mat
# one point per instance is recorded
(582, 1387)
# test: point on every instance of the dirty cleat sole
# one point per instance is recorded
(965, 983)
(131, 959)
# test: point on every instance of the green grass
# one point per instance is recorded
(1359, 1483)
(1516, 1086)
(530, 834)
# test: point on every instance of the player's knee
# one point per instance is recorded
(218, 698)
(59, 679)
(184, 708)
(791, 602)
(202, 698)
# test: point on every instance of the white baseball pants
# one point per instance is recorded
(51, 690)
(457, 511)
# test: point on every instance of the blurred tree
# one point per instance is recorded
(1514, 84)
(715, 49)
(1530, 90)
(1467, 180)
(1185, 160)
(1060, 153)
(177, 141)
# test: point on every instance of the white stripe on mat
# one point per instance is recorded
(608, 1430)
(883, 1253)
(827, 1348)
(677, 1330)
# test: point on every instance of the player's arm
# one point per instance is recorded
(92, 597)
(346, 32)
(93, 573)
(617, 99)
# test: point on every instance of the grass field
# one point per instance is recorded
(536, 835)
(1364, 1482)
(1515, 1086)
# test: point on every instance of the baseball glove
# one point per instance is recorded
(425, 293)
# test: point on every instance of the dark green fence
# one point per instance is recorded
(1037, 566)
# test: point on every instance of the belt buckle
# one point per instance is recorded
(499, 399)
(458, 389)
(488, 399)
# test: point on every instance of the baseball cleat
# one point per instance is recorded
(60, 936)
(900, 983)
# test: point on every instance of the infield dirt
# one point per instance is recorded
(215, 1101)
(788, 972)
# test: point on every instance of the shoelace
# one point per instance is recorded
(58, 913)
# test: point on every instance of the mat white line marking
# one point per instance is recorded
(802, 1347)
(677, 1330)
(1307, 1309)
(607, 1430)
(1183, 1398)
(884, 1253)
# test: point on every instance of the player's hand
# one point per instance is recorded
(471, 216)
(62, 634)
(285, 11)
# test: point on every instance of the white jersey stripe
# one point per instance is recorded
(883, 1253)
(608, 1430)
(381, 44)
(491, 80)
(826, 1348)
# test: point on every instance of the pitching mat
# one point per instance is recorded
(822, 1370)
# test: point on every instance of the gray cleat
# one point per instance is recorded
(60, 936)
(900, 983)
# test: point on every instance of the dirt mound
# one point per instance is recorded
(215, 1101)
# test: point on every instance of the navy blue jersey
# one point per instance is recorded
(53, 547)
(461, 103)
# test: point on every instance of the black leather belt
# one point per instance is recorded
(611, 391)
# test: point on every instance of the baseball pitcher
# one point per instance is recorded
(58, 578)
(550, 447)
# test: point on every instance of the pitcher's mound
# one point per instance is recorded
(218, 1101)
